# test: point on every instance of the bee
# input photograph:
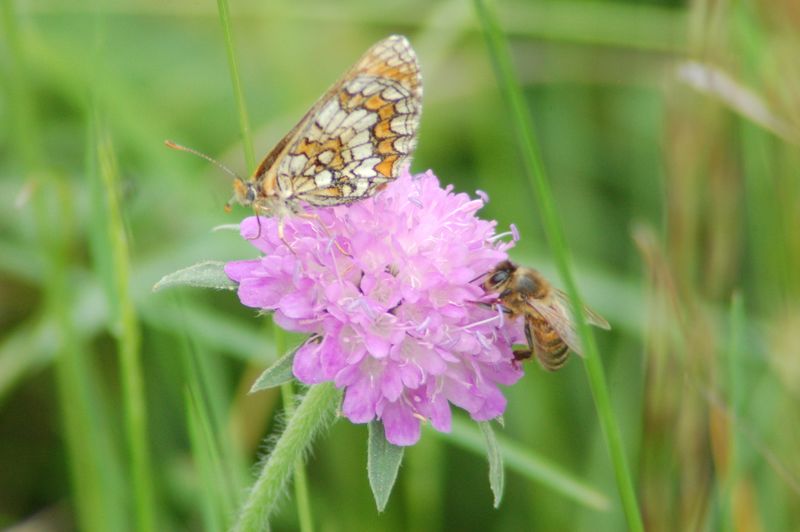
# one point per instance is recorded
(353, 141)
(549, 325)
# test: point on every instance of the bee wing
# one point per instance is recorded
(358, 135)
(556, 312)
(592, 317)
(558, 316)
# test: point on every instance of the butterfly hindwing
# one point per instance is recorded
(359, 134)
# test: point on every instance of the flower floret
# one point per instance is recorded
(389, 286)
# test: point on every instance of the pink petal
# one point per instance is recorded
(296, 305)
(238, 269)
(359, 402)
(306, 366)
(399, 424)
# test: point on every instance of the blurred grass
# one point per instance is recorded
(113, 265)
(712, 189)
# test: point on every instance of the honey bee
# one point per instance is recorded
(549, 325)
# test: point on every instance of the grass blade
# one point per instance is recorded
(732, 358)
(218, 460)
(207, 460)
(520, 116)
(125, 324)
(238, 93)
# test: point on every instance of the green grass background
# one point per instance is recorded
(669, 132)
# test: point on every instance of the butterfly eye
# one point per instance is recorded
(251, 193)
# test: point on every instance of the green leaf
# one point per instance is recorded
(206, 456)
(495, 457)
(281, 371)
(206, 274)
(383, 462)
(526, 462)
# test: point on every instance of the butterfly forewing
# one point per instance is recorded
(357, 136)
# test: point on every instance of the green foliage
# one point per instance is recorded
(383, 463)
(280, 372)
(205, 274)
(496, 471)
(669, 134)
(313, 414)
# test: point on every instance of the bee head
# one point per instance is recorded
(499, 276)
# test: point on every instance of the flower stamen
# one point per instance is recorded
(479, 323)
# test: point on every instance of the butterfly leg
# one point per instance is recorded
(281, 235)
(258, 222)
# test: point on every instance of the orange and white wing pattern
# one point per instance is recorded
(359, 134)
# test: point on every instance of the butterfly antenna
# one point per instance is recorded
(180, 147)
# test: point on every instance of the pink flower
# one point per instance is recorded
(389, 284)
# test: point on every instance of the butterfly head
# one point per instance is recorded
(244, 193)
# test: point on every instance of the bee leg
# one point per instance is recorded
(529, 336)
(524, 354)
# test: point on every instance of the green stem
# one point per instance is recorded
(732, 358)
(302, 498)
(520, 115)
(241, 108)
(314, 413)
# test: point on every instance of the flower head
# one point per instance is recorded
(388, 285)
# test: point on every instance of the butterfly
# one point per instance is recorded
(353, 140)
